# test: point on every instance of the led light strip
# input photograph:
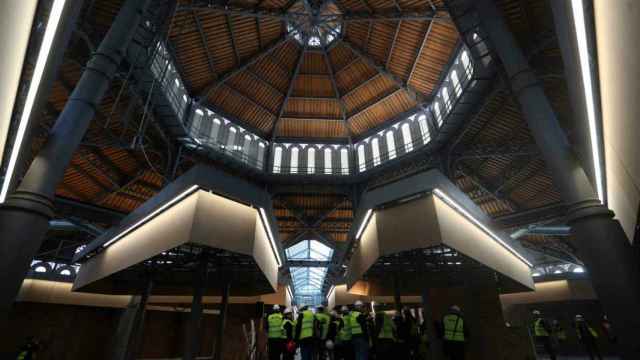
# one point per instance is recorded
(155, 213)
(290, 292)
(364, 223)
(466, 214)
(331, 290)
(38, 71)
(267, 226)
(589, 96)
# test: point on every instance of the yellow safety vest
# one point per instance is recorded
(324, 319)
(345, 333)
(275, 326)
(307, 324)
(594, 334)
(453, 327)
(354, 325)
(538, 329)
(386, 332)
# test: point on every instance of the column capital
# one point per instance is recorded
(31, 202)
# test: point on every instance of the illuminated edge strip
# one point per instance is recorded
(290, 292)
(267, 226)
(331, 290)
(365, 221)
(43, 55)
(145, 219)
(589, 96)
(467, 215)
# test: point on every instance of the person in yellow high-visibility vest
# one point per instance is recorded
(275, 335)
(323, 320)
(288, 328)
(385, 335)
(588, 337)
(359, 331)
(455, 334)
(344, 349)
(542, 332)
(306, 333)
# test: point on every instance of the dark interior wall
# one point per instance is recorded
(66, 331)
(70, 332)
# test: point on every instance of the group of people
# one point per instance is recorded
(550, 333)
(358, 334)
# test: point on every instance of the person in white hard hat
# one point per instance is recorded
(275, 334)
(542, 332)
(288, 328)
(359, 331)
(343, 349)
(455, 334)
(588, 337)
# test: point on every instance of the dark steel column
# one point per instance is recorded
(600, 241)
(25, 215)
(135, 340)
(223, 320)
(192, 336)
(427, 317)
(397, 298)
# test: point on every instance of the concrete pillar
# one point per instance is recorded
(599, 239)
(222, 324)
(25, 215)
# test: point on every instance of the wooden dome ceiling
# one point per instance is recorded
(376, 61)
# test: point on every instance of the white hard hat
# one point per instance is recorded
(276, 307)
(357, 303)
(334, 313)
(578, 316)
(344, 308)
(536, 312)
(329, 344)
(455, 308)
(287, 310)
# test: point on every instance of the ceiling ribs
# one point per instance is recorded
(393, 43)
(343, 108)
(419, 54)
(274, 129)
(203, 41)
(232, 37)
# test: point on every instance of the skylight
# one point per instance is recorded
(315, 24)
(308, 280)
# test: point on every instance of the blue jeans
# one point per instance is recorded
(360, 347)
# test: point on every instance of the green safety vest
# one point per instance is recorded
(453, 327)
(354, 325)
(293, 327)
(324, 319)
(538, 329)
(345, 333)
(594, 334)
(386, 332)
(275, 326)
(307, 324)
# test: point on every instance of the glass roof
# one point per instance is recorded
(308, 280)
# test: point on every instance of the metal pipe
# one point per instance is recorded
(25, 215)
(223, 320)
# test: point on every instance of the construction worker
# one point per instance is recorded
(332, 335)
(305, 333)
(323, 319)
(359, 331)
(608, 330)
(29, 350)
(588, 337)
(455, 334)
(288, 329)
(425, 342)
(542, 331)
(344, 348)
(275, 342)
(384, 334)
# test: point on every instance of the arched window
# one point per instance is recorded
(375, 151)
(327, 161)
(311, 160)
(445, 99)
(466, 63)
(391, 145)
(294, 160)
(455, 81)
(344, 161)
(231, 139)
(437, 114)
(215, 130)
(277, 159)
(406, 137)
(246, 147)
(260, 160)
(362, 166)
(196, 123)
(424, 129)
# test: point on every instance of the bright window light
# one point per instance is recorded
(162, 208)
(578, 270)
(536, 274)
(40, 269)
(38, 71)
(589, 96)
(444, 197)
(363, 225)
(558, 271)
(267, 226)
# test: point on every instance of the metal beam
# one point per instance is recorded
(233, 38)
(483, 151)
(393, 43)
(424, 42)
(249, 99)
(203, 41)
(250, 61)
(343, 108)
(274, 130)
(375, 102)
(487, 188)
